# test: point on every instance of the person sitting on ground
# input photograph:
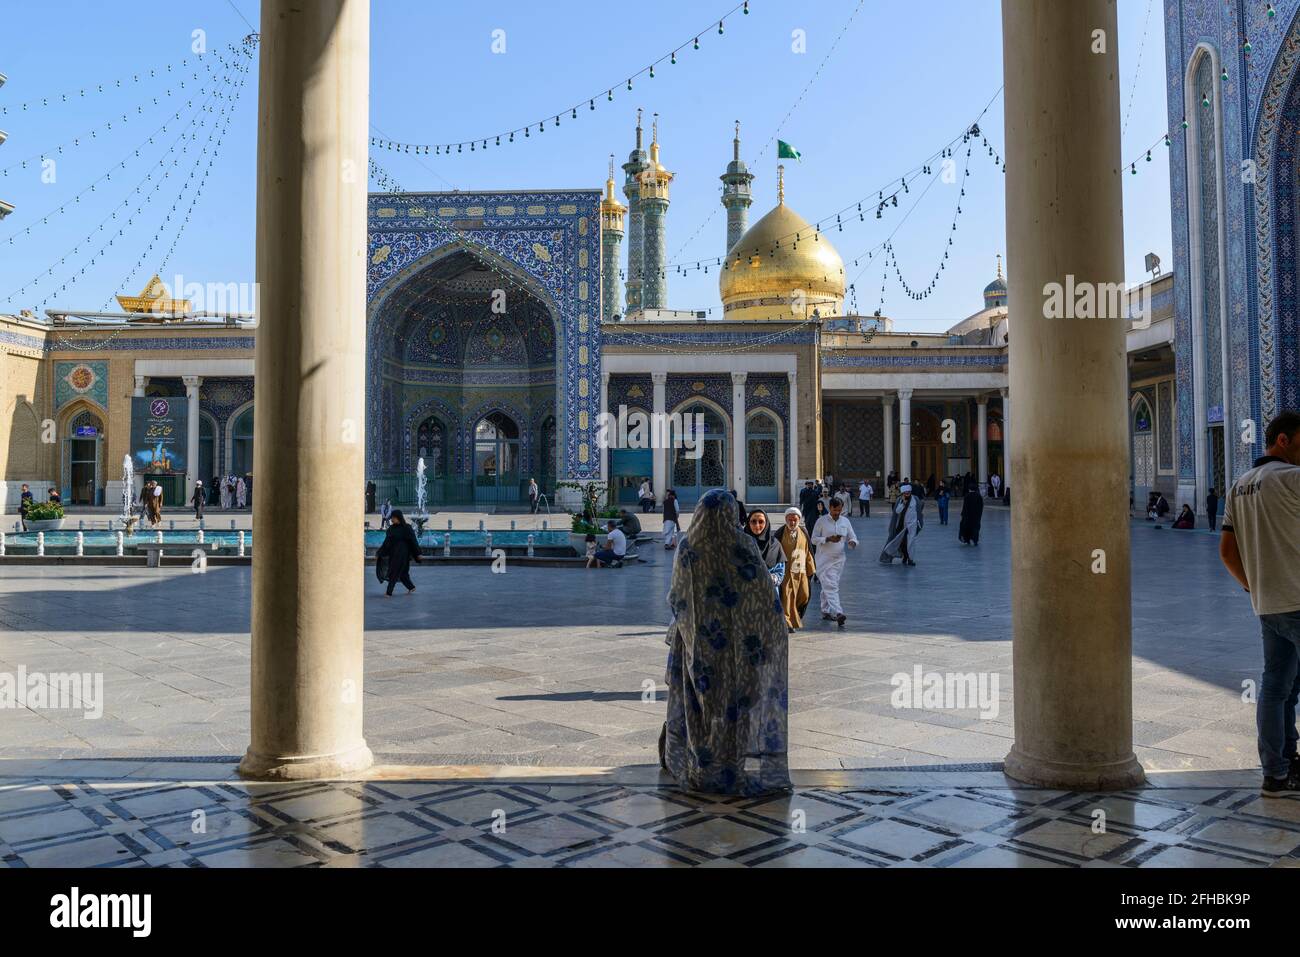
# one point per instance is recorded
(1162, 507)
(615, 547)
(1186, 519)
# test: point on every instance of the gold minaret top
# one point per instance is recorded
(611, 210)
(655, 179)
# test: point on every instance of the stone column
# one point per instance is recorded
(793, 492)
(739, 464)
(192, 383)
(609, 434)
(887, 406)
(1006, 439)
(1071, 615)
(662, 438)
(313, 114)
(982, 438)
(140, 382)
(905, 434)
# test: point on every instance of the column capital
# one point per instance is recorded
(604, 378)
(888, 398)
(141, 381)
(792, 375)
(981, 399)
(905, 395)
(191, 381)
(659, 378)
(738, 378)
(1004, 393)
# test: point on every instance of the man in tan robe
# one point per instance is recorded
(796, 589)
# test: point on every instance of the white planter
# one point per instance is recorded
(45, 525)
(578, 541)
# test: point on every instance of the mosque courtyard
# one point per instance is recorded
(553, 667)
(523, 698)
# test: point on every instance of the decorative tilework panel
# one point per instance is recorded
(81, 380)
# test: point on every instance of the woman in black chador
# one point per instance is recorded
(393, 560)
(972, 514)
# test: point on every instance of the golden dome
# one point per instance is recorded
(778, 257)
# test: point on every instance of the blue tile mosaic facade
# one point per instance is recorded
(545, 244)
(1260, 107)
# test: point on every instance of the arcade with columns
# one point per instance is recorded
(1072, 639)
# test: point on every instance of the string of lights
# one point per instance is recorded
(90, 137)
(160, 165)
(798, 101)
(915, 294)
(217, 136)
(506, 137)
(882, 201)
(211, 148)
(107, 176)
(97, 89)
(1137, 71)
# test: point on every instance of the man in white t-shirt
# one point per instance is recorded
(865, 491)
(615, 547)
(1260, 547)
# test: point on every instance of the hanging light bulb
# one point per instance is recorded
(591, 104)
(610, 95)
(697, 43)
(1245, 47)
(652, 71)
(673, 58)
(719, 28)
(629, 83)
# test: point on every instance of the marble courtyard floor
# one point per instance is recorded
(552, 666)
(522, 700)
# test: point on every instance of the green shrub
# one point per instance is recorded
(44, 511)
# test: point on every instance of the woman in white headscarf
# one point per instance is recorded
(727, 661)
(241, 493)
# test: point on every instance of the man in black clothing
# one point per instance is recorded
(198, 499)
(1212, 507)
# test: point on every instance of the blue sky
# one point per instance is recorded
(904, 80)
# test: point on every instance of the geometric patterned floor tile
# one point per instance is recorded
(463, 818)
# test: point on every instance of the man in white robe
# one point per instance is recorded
(904, 526)
(833, 535)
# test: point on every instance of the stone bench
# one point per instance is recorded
(154, 550)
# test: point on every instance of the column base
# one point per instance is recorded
(1116, 776)
(265, 767)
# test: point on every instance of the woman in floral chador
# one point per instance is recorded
(727, 692)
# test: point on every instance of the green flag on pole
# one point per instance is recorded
(785, 151)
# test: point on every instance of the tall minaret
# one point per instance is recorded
(654, 245)
(633, 168)
(736, 196)
(611, 239)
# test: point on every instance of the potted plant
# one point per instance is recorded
(44, 517)
(593, 517)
